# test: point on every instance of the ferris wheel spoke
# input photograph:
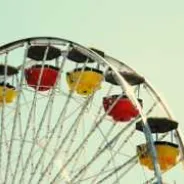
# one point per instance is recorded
(45, 137)
(112, 158)
(75, 124)
(105, 140)
(115, 138)
(73, 136)
(79, 155)
(99, 174)
(69, 97)
(3, 111)
(114, 154)
(49, 139)
(76, 160)
(157, 99)
(53, 130)
(15, 116)
(133, 159)
(50, 101)
(50, 112)
(30, 119)
(126, 171)
(98, 122)
(35, 138)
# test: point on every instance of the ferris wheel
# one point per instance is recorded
(74, 115)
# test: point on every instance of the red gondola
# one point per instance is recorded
(123, 110)
(48, 77)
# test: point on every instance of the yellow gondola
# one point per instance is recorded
(7, 93)
(167, 154)
(84, 82)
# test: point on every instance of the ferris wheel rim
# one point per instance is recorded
(48, 39)
(157, 95)
(124, 85)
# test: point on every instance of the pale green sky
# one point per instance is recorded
(148, 35)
